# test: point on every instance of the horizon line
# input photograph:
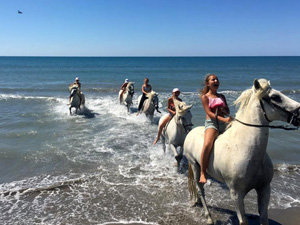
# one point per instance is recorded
(151, 56)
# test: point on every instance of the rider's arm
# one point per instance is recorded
(143, 89)
(123, 86)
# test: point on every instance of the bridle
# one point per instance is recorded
(185, 126)
(74, 91)
(291, 119)
(130, 90)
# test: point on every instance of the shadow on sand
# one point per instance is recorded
(233, 219)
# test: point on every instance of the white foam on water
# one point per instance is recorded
(137, 222)
(111, 173)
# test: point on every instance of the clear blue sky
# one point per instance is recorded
(150, 28)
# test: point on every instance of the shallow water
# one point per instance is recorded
(100, 166)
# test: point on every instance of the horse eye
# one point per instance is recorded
(276, 98)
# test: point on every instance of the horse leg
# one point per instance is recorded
(263, 198)
(238, 199)
(180, 154)
(177, 157)
(201, 193)
(163, 142)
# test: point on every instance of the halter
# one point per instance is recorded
(155, 105)
(291, 119)
(75, 91)
(130, 90)
(185, 126)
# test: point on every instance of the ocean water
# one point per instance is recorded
(100, 166)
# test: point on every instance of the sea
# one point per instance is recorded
(100, 166)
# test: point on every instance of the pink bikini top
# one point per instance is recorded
(216, 102)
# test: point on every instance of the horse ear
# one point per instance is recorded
(190, 106)
(256, 84)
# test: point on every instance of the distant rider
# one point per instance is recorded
(78, 84)
(123, 88)
(172, 111)
(146, 88)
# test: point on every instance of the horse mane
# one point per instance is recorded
(129, 84)
(72, 86)
(242, 101)
(181, 107)
(150, 94)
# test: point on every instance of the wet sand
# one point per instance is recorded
(289, 216)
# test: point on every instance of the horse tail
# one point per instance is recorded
(192, 184)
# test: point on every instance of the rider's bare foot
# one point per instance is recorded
(202, 179)
(156, 140)
(137, 113)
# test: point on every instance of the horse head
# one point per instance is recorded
(73, 90)
(153, 98)
(273, 104)
(183, 114)
(130, 88)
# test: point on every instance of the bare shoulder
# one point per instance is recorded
(204, 97)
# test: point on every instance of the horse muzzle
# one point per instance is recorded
(295, 118)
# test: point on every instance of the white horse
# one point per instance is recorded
(150, 104)
(127, 95)
(239, 158)
(75, 99)
(176, 130)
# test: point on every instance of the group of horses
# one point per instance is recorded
(239, 157)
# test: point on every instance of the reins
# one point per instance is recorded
(286, 127)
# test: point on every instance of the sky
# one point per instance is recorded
(150, 28)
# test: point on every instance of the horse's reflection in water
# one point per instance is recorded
(87, 113)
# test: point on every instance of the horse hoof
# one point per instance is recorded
(198, 204)
(209, 221)
(178, 158)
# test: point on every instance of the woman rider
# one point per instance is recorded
(123, 88)
(172, 112)
(216, 108)
(146, 88)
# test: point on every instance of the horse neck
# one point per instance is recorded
(179, 125)
(176, 129)
(253, 113)
(256, 138)
(148, 104)
(127, 88)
